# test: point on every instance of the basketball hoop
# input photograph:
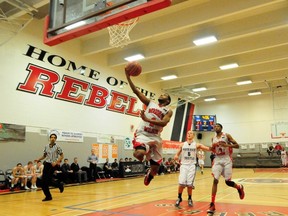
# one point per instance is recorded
(119, 33)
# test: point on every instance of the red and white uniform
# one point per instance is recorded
(147, 132)
(222, 164)
(188, 164)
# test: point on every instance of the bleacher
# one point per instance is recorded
(251, 160)
(256, 157)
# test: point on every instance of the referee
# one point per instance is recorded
(52, 156)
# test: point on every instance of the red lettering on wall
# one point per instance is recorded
(130, 109)
(39, 78)
(70, 90)
(116, 102)
(97, 97)
(43, 81)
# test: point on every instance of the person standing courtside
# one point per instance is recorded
(187, 152)
(201, 159)
(222, 144)
(52, 156)
(93, 160)
(147, 141)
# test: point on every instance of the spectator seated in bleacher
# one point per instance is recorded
(29, 172)
(162, 168)
(115, 168)
(67, 172)
(39, 172)
(79, 175)
(278, 149)
(171, 165)
(177, 165)
(18, 176)
(58, 174)
(270, 150)
(108, 169)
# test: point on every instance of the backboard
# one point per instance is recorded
(69, 19)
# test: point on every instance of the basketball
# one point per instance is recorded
(133, 69)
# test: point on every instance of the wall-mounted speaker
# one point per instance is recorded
(199, 136)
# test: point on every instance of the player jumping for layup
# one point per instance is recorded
(222, 145)
(147, 140)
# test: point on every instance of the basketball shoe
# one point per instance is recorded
(190, 202)
(148, 178)
(211, 208)
(241, 192)
(178, 201)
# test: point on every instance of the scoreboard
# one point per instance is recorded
(204, 122)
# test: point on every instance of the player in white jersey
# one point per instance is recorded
(187, 152)
(201, 158)
(147, 141)
(29, 171)
(222, 144)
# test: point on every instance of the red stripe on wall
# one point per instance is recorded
(190, 118)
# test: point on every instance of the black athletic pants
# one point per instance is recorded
(47, 179)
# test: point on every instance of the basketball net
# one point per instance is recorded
(119, 33)
(183, 96)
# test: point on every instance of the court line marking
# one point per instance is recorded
(74, 207)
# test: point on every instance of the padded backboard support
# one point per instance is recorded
(54, 36)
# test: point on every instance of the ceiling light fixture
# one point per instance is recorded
(205, 40)
(75, 25)
(255, 93)
(245, 82)
(169, 77)
(210, 99)
(199, 89)
(229, 66)
(134, 57)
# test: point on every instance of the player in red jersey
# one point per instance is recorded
(222, 144)
(147, 141)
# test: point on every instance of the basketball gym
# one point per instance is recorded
(63, 71)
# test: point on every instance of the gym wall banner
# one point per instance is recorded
(12, 132)
(68, 136)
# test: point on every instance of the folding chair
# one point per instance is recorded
(100, 173)
(2, 180)
(8, 177)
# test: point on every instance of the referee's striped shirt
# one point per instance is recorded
(52, 153)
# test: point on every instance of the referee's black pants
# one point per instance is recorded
(47, 179)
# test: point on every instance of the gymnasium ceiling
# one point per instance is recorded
(251, 33)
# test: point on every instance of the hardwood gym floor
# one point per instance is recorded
(266, 194)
